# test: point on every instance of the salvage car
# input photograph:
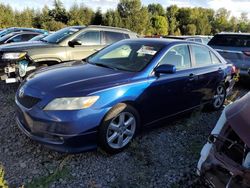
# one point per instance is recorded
(20, 29)
(194, 38)
(225, 159)
(18, 37)
(235, 48)
(71, 43)
(106, 98)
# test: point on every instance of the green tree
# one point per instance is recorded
(80, 15)
(59, 13)
(191, 29)
(220, 22)
(7, 16)
(156, 9)
(243, 22)
(98, 19)
(172, 12)
(112, 18)
(159, 25)
(133, 15)
(25, 18)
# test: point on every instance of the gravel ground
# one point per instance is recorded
(165, 156)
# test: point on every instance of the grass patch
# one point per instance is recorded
(45, 181)
(60, 173)
(3, 182)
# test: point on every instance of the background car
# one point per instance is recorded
(225, 158)
(18, 37)
(106, 98)
(195, 38)
(235, 48)
(71, 43)
(18, 29)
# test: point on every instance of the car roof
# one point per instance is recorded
(163, 41)
(232, 33)
(25, 32)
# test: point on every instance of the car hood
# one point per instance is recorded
(22, 46)
(238, 117)
(75, 79)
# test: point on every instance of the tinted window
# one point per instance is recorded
(27, 37)
(17, 38)
(202, 56)
(90, 38)
(230, 40)
(111, 37)
(60, 35)
(198, 40)
(128, 56)
(178, 56)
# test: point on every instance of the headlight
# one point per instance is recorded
(13, 56)
(71, 103)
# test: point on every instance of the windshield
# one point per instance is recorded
(38, 38)
(5, 32)
(126, 55)
(60, 35)
(5, 37)
(230, 40)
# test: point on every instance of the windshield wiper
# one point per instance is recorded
(104, 65)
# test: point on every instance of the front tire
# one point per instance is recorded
(118, 128)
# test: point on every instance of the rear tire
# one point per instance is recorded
(218, 98)
(118, 128)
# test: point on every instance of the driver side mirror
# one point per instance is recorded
(165, 69)
(74, 43)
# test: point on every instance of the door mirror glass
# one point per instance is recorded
(165, 69)
(74, 43)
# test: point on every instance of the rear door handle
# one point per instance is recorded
(220, 70)
(192, 77)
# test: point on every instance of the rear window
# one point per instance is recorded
(111, 37)
(230, 40)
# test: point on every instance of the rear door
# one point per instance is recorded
(234, 48)
(208, 73)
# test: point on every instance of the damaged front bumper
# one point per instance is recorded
(13, 71)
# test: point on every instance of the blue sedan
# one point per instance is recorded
(105, 99)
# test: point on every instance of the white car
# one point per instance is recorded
(225, 158)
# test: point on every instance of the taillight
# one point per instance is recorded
(234, 70)
(247, 53)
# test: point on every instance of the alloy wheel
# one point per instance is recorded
(121, 130)
(219, 96)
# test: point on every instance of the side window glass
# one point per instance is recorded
(15, 39)
(178, 56)
(90, 38)
(111, 37)
(215, 60)
(201, 55)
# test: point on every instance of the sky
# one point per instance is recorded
(235, 6)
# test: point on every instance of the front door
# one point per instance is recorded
(90, 43)
(170, 94)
